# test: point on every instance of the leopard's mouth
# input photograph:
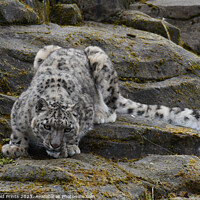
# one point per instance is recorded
(52, 153)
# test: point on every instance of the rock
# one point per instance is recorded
(115, 12)
(180, 9)
(182, 14)
(6, 104)
(35, 172)
(66, 14)
(153, 68)
(42, 8)
(92, 177)
(99, 10)
(89, 176)
(141, 21)
(189, 33)
(14, 12)
(131, 137)
(178, 173)
(179, 91)
(5, 129)
(15, 64)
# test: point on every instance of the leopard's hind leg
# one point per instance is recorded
(106, 82)
(42, 54)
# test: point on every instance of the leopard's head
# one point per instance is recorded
(56, 125)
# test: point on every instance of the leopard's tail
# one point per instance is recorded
(176, 116)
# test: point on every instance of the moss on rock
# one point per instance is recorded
(141, 21)
(15, 12)
(66, 14)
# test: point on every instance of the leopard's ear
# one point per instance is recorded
(41, 105)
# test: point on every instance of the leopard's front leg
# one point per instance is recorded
(71, 148)
(17, 147)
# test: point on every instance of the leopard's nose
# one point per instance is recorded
(55, 146)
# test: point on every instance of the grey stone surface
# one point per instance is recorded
(36, 172)
(14, 12)
(134, 137)
(172, 172)
(89, 176)
(179, 91)
(181, 13)
(66, 14)
(6, 103)
(179, 9)
(141, 21)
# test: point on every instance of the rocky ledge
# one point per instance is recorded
(93, 177)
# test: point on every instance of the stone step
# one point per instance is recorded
(136, 137)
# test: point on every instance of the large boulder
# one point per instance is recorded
(15, 12)
(66, 14)
(141, 21)
(132, 137)
(182, 14)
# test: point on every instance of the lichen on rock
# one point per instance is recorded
(66, 14)
(15, 12)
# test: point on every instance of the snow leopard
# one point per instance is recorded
(71, 90)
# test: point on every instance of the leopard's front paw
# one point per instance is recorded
(101, 118)
(72, 150)
(13, 151)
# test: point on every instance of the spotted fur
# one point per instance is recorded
(176, 116)
(70, 91)
(43, 54)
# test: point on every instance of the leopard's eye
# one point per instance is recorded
(68, 129)
(47, 127)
